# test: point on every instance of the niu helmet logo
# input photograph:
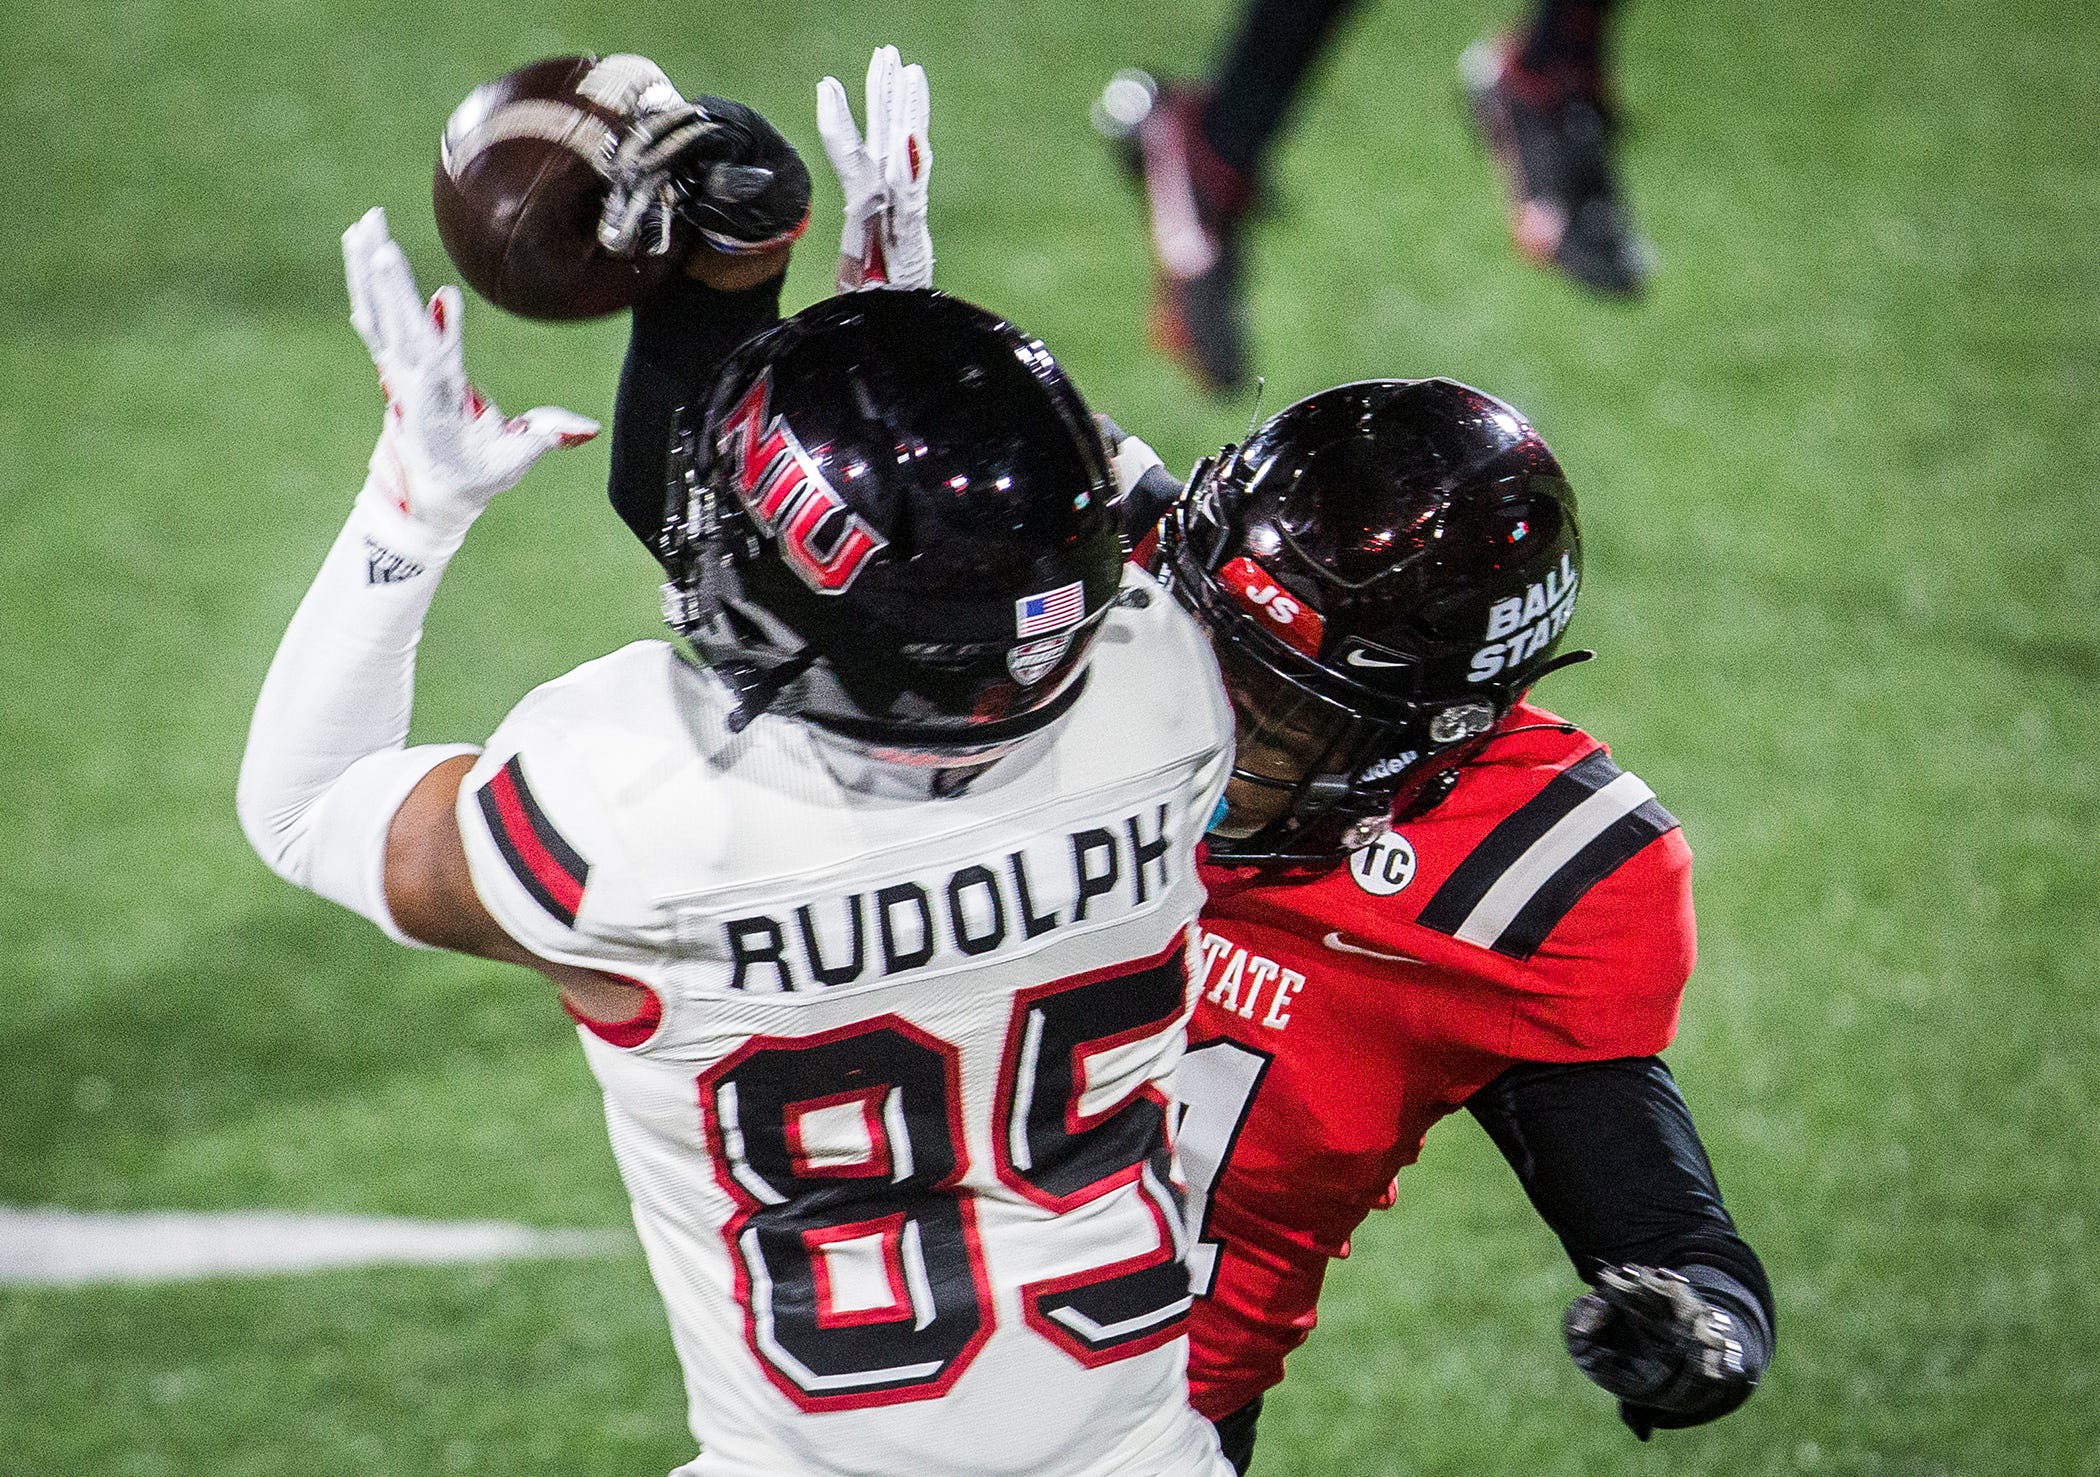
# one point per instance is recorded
(824, 541)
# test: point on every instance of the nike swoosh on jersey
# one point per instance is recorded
(1341, 945)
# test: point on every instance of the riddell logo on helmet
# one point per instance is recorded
(824, 541)
(1388, 768)
(1523, 625)
(1278, 609)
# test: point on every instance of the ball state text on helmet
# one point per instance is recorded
(1521, 626)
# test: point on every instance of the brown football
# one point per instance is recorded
(520, 183)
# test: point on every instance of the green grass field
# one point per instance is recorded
(1839, 479)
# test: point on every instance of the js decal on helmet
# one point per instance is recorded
(1383, 569)
(1290, 618)
(891, 517)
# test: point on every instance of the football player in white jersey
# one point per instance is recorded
(873, 910)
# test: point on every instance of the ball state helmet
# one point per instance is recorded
(1383, 569)
(892, 518)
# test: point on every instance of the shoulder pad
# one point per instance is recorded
(542, 838)
(1540, 859)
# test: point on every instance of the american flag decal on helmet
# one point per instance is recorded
(1053, 610)
(538, 855)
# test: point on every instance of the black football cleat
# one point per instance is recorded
(1555, 148)
(1194, 204)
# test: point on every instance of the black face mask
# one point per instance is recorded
(1307, 770)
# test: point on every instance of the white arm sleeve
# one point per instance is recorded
(325, 768)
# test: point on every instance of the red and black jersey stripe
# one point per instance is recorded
(538, 855)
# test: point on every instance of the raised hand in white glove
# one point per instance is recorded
(886, 242)
(445, 451)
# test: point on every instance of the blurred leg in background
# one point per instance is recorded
(1540, 97)
(1197, 149)
(1542, 100)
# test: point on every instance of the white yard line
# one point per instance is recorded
(66, 1248)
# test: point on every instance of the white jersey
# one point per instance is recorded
(897, 1137)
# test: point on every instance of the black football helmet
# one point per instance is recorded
(892, 518)
(1383, 569)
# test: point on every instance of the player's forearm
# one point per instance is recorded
(737, 273)
(1609, 1156)
(325, 769)
(326, 765)
(683, 334)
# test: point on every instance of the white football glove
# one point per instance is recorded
(444, 451)
(886, 242)
(1145, 489)
(1128, 457)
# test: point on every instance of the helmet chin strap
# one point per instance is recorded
(1565, 659)
(755, 694)
(1271, 844)
(1423, 786)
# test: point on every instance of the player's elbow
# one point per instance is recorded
(332, 839)
(271, 819)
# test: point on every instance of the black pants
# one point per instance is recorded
(1236, 1435)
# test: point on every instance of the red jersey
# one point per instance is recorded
(1541, 913)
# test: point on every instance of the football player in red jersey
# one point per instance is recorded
(1428, 894)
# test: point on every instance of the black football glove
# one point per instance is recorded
(1673, 1357)
(705, 169)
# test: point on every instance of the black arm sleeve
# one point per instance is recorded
(683, 334)
(1608, 1154)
